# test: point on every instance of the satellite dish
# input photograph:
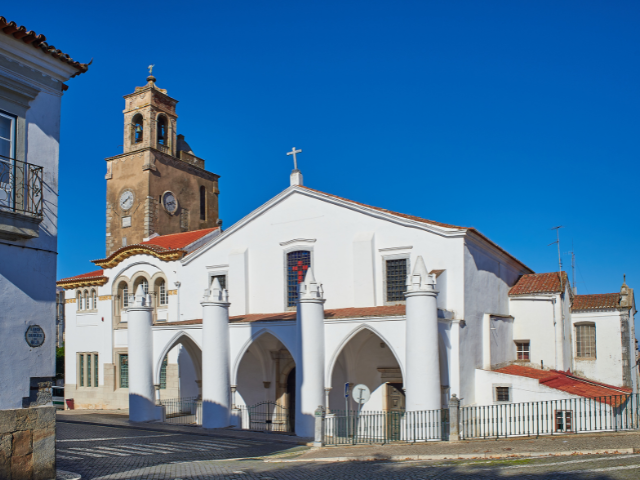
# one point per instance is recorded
(361, 393)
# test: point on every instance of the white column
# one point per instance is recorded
(310, 359)
(454, 370)
(216, 384)
(142, 394)
(423, 362)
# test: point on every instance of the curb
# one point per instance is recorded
(270, 437)
(461, 456)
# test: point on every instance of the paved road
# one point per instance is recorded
(109, 453)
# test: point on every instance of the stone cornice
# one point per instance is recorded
(72, 284)
(122, 254)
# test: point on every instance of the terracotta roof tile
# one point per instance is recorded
(85, 276)
(568, 383)
(539, 283)
(30, 37)
(338, 313)
(600, 300)
(178, 240)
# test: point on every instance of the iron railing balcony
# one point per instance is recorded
(20, 187)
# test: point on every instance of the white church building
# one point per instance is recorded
(311, 294)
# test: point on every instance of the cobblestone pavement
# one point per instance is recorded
(121, 452)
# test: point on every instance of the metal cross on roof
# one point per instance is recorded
(295, 160)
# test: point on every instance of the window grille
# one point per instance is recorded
(502, 394)
(124, 371)
(163, 374)
(298, 263)
(586, 341)
(522, 349)
(222, 279)
(162, 293)
(95, 370)
(125, 297)
(88, 370)
(396, 279)
(81, 370)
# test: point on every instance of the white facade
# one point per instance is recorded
(31, 87)
(347, 331)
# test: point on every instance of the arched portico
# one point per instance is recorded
(364, 357)
(185, 356)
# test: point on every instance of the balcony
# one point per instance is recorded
(20, 198)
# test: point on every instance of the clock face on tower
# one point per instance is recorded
(126, 200)
(169, 202)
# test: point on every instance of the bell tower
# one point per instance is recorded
(157, 185)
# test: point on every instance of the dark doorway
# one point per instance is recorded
(291, 396)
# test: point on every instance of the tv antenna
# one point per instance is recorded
(557, 229)
(573, 268)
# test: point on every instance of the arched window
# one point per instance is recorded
(162, 293)
(162, 130)
(203, 203)
(141, 281)
(298, 263)
(86, 300)
(79, 299)
(137, 125)
(94, 300)
(123, 293)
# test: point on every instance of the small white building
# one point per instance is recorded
(32, 76)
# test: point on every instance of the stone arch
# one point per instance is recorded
(254, 337)
(345, 342)
(191, 346)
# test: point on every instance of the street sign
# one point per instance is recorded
(361, 394)
(34, 336)
(346, 390)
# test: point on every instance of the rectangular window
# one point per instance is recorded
(522, 349)
(564, 420)
(124, 371)
(586, 341)
(163, 375)
(222, 279)
(88, 370)
(396, 279)
(502, 394)
(81, 370)
(125, 297)
(298, 263)
(7, 135)
(95, 370)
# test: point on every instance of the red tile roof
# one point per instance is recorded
(422, 220)
(338, 313)
(94, 274)
(539, 283)
(38, 41)
(179, 240)
(600, 300)
(568, 383)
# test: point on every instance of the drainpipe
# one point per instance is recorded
(177, 284)
(555, 334)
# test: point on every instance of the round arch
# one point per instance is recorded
(334, 358)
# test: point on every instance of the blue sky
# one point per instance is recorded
(511, 117)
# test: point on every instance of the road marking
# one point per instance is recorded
(68, 457)
(83, 451)
(112, 451)
(115, 438)
(617, 457)
(607, 469)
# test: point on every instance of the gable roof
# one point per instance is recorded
(84, 280)
(19, 32)
(539, 283)
(568, 383)
(166, 247)
(329, 196)
(596, 301)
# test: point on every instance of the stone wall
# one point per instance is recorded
(28, 444)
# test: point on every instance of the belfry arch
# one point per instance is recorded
(365, 357)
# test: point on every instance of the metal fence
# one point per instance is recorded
(20, 187)
(342, 428)
(183, 411)
(552, 417)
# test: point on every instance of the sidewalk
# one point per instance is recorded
(572, 444)
(120, 418)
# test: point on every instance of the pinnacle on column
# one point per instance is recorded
(420, 279)
(309, 288)
(140, 298)
(216, 293)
